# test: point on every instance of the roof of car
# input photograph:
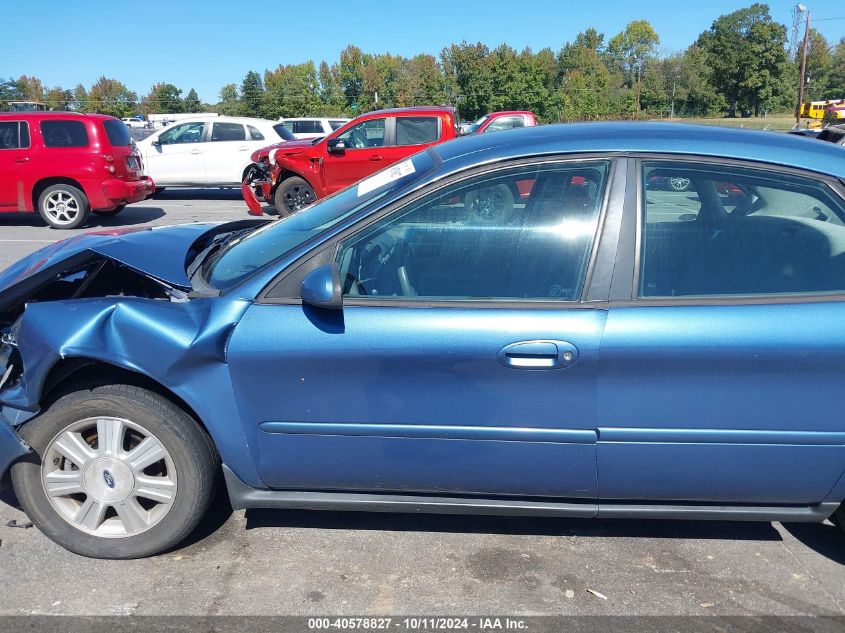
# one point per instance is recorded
(31, 114)
(412, 110)
(664, 138)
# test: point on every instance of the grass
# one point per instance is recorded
(775, 122)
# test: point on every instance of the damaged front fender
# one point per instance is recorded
(179, 345)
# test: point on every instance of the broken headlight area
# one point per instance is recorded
(11, 365)
(98, 278)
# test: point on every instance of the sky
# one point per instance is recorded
(204, 44)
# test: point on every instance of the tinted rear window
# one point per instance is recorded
(117, 132)
(282, 131)
(64, 133)
(13, 135)
(336, 125)
(415, 130)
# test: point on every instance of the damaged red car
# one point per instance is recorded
(294, 174)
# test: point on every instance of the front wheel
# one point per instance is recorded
(117, 472)
(63, 206)
(292, 195)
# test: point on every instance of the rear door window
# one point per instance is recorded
(227, 132)
(14, 135)
(417, 130)
(64, 133)
(336, 125)
(118, 133)
(254, 133)
(505, 123)
(736, 231)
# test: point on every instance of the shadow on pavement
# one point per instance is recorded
(823, 538)
(537, 526)
(130, 216)
(199, 194)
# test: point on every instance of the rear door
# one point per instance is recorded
(412, 134)
(722, 378)
(15, 163)
(366, 152)
(463, 360)
(227, 152)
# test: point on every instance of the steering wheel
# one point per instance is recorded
(406, 267)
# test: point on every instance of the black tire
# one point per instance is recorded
(110, 212)
(73, 198)
(191, 450)
(838, 517)
(292, 195)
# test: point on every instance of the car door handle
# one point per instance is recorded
(376, 157)
(243, 148)
(196, 151)
(538, 355)
(22, 159)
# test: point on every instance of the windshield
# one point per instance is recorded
(243, 256)
(474, 127)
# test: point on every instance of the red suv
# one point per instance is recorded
(66, 165)
(294, 174)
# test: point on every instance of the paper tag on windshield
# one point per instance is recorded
(390, 174)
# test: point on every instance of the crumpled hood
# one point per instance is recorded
(156, 252)
(286, 147)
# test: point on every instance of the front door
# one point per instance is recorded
(179, 156)
(366, 152)
(722, 381)
(462, 361)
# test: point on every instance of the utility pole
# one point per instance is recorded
(803, 69)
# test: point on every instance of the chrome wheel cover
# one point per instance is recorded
(61, 207)
(109, 477)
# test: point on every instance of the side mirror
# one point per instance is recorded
(157, 143)
(321, 288)
(336, 145)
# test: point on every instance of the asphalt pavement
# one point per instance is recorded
(291, 562)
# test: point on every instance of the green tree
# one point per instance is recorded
(332, 102)
(30, 88)
(163, 98)
(589, 89)
(252, 94)
(9, 91)
(747, 53)
(633, 48)
(109, 96)
(58, 99)
(80, 99)
(291, 91)
(192, 102)
(229, 100)
(835, 81)
(352, 75)
(469, 73)
(688, 80)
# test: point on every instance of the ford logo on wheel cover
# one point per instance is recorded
(109, 479)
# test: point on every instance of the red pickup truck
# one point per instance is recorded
(294, 174)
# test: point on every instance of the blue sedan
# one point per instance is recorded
(516, 323)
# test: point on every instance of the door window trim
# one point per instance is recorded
(22, 125)
(837, 189)
(288, 280)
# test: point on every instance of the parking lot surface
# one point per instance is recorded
(292, 562)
